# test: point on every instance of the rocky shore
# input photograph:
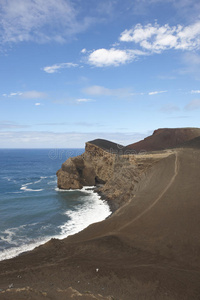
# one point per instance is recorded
(148, 248)
(115, 175)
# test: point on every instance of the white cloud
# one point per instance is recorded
(156, 92)
(5, 125)
(156, 38)
(195, 92)
(55, 68)
(40, 21)
(112, 57)
(33, 95)
(27, 94)
(48, 139)
(37, 104)
(84, 50)
(151, 39)
(193, 105)
(52, 20)
(97, 90)
(12, 94)
(15, 94)
(83, 100)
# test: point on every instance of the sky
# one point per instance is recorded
(72, 71)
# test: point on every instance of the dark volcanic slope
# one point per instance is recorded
(194, 143)
(164, 139)
(149, 249)
(107, 145)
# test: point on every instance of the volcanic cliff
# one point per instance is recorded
(115, 166)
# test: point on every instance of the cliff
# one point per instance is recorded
(106, 163)
(115, 175)
(93, 167)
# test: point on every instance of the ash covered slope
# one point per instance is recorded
(194, 143)
(165, 138)
(148, 249)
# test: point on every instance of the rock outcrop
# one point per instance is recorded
(93, 167)
(116, 176)
(106, 164)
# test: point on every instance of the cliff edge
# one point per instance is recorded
(114, 169)
(115, 176)
(91, 168)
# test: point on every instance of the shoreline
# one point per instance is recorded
(55, 237)
(112, 206)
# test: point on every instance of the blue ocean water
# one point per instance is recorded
(32, 209)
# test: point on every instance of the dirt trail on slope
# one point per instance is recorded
(160, 195)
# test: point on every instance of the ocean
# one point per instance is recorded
(32, 209)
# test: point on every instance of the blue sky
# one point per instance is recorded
(73, 70)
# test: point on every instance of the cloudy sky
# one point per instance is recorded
(73, 70)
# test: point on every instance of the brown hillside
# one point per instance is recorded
(164, 139)
(194, 143)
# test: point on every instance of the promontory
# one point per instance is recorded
(149, 248)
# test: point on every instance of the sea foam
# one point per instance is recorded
(92, 210)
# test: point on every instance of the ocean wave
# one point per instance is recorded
(52, 182)
(15, 251)
(92, 210)
(87, 189)
(9, 234)
(19, 245)
(24, 187)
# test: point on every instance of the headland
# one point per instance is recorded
(148, 248)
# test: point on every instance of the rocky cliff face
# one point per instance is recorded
(93, 167)
(116, 176)
(103, 163)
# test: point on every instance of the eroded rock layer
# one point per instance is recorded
(116, 176)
